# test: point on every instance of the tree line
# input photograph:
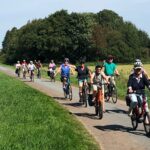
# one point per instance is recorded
(76, 35)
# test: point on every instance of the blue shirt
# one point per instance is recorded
(65, 71)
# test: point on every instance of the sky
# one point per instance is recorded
(16, 13)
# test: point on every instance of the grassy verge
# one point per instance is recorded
(30, 120)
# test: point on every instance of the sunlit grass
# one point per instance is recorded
(30, 120)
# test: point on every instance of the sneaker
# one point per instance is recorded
(130, 112)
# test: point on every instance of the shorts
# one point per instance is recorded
(80, 82)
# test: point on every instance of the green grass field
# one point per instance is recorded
(30, 120)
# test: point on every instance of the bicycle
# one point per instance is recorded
(32, 75)
(24, 71)
(52, 76)
(67, 88)
(111, 91)
(84, 96)
(136, 117)
(99, 101)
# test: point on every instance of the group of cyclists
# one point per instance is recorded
(103, 74)
(28, 68)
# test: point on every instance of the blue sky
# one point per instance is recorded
(16, 13)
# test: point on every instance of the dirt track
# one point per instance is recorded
(113, 132)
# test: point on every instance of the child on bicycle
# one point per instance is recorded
(98, 78)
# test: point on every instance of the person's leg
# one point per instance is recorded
(133, 103)
(103, 101)
(94, 92)
(80, 82)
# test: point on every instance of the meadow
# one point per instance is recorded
(30, 120)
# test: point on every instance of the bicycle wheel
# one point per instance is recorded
(134, 121)
(64, 90)
(85, 97)
(114, 94)
(107, 97)
(99, 110)
(146, 123)
(70, 93)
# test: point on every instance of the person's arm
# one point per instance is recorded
(129, 84)
(92, 77)
(71, 68)
(104, 77)
(58, 71)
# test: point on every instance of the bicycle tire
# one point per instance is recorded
(146, 123)
(99, 110)
(134, 121)
(107, 97)
(70, 93)
(114, 94)
(85, 97)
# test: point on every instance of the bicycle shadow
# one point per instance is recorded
(59, 98)
(115, 127)
(87, 115)
(120, 111)
(76, 104)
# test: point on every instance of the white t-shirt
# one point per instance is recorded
(31, 67)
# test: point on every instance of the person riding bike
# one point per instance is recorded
(136, 82)
(82, 74)
(38, 66)
(110, 69)
(18, 67)
(64, 71)
(24, 68)
(98, 77)
(31, 67)
(52, 66)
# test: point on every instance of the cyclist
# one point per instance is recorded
(64, 70)
(31, 68)
(38, 66)
(82, 74)
(137, 82)
(24, 68)
(98, 77)
(18, 67)
(110, 69)
(52, 66)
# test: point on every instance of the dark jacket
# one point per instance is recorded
(138, 84)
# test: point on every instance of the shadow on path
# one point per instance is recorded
(88, 115)
(115, 127)
(116, 110)
(59, 98)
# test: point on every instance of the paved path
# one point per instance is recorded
(113, 132)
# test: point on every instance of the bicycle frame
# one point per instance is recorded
(99, 102)
(84, 93)
(136, 115)
(111, 91)
(67, 88)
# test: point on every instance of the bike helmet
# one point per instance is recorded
(138, 63)
(137, 66)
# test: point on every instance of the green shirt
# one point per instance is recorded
(109, 68)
